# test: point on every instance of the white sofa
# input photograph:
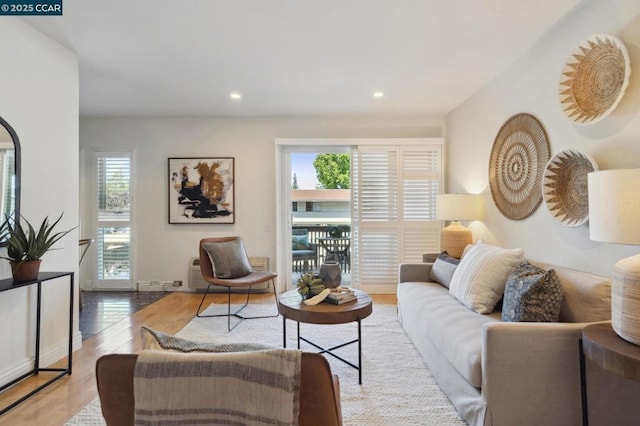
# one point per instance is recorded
(503, 373)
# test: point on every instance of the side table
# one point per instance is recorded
(608, 351)
(291, 306)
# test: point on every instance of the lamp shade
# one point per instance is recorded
(614, 206)
(458, 207)
(614, 216)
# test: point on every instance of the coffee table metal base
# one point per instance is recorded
(330, 350)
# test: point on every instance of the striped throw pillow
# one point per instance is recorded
(480, 278)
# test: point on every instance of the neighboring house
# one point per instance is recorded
(321, 206)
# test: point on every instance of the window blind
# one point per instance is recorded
(394, 189)
(113, 189)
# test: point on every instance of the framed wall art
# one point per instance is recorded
(201, 190)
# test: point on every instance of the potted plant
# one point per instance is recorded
(26, 245)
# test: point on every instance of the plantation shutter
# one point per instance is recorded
(113, 189)
(393, 210)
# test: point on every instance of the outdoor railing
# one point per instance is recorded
(327, 244)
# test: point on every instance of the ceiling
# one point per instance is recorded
(292, 57)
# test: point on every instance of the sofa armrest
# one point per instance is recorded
(408, 272)
(533, 362)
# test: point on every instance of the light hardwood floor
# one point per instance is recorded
(62, 400)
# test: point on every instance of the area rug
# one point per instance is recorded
(397, 388)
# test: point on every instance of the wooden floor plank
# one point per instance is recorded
(56, 404)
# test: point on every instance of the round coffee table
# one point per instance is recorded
(291, 306)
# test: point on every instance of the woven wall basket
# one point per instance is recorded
(594, 79)
(519, 155)
(564, 187)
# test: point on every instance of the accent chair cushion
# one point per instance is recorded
(229, 259)
(153, 339)
(443, 269)
(299, 242)
(532, 294)
(480, 278)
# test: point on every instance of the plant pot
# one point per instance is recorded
(26, 270)
(331, 274)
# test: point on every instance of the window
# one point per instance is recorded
(394, 184)
(394, 190)
(113, 189)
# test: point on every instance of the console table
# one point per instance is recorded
(609, 352)
(9, 284)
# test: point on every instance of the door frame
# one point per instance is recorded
(284, 147)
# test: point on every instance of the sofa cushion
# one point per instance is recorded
(443, 269)
(532, 294)
(479, 280)
(586, 297)
(429, 310)
(229, 258)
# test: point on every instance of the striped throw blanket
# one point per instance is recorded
(234, 388)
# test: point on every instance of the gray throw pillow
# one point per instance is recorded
(229, 259)
(532, 294)
(443, 269)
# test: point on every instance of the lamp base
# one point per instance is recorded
(625, 299)
(454, 238)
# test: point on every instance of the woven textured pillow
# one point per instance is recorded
(480, 278)
(443, 269)
(229, 258)
(532, 294)
(153, 339)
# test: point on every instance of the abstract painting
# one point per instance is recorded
(201, 190)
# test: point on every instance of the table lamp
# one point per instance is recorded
(456, 207)
(614, 217)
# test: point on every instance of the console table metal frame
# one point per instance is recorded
(9, 284)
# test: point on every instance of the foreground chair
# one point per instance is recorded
(224, 262)
(319, 390)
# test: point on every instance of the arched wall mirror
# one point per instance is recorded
(9, 172)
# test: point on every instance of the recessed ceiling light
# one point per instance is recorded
(235, 95)
(378, 94)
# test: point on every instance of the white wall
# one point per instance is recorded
(531, 86)
(163, 250)
(39, 86)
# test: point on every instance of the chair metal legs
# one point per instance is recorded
(236, 314)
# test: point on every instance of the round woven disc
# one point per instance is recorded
(594, 79)
(565, 186)
(519, 155)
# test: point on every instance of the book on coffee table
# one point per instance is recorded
(340, 298)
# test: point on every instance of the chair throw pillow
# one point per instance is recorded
(229, 259)
(153, 339)
(532, 294)
(299, 242)
(443, 269)
(479, 280)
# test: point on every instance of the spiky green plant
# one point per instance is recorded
(25, 243)
(309, 285)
